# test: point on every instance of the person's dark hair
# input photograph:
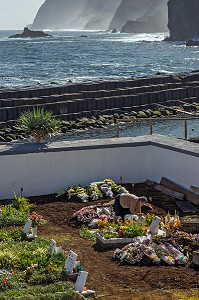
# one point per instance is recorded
(145, 209)
(143, 200)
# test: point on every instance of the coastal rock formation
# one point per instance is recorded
(129, 10)
(58, 14)
(27, 33)
(97, 14)
(75, 14)
(183, 19)
(154, 20)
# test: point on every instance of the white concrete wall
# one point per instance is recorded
(132, 159)
(45, 173)
(179, 167)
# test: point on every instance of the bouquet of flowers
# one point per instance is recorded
(127, 229)
(144, 247)
(37, 220)
(94, 191)
(170, 224)
(86, 214)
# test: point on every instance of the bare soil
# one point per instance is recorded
(110, 280)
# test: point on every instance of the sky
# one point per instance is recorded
(16, 14)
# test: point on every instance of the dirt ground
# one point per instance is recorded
(110, 280)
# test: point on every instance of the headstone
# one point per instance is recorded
(81, 281)
(27, 226)
(196, 257)
(58, 249)
(155, 224)
(70, 262)
(52, 247)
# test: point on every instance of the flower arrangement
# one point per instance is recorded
(126, 229)
(37, 220)
(94, 191)
(86, 214)
(170, 224)
(143, 248)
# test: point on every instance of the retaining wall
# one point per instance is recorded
(44, 169)
(105, 97)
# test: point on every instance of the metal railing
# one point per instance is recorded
(153, 120)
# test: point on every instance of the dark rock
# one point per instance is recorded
(191, 43)
(183, 19)
(114, 30)
(27, 33)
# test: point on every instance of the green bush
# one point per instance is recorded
(38, 123)
(16, 212)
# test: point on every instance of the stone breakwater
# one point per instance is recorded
(100, 103)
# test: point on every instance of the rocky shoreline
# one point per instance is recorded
(13, 133)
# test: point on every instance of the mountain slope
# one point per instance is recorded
(129, 10)
(57, 14)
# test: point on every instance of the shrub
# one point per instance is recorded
(38, 123)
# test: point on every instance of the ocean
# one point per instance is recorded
(83, 56)
(87, 56)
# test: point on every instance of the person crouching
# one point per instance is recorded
(129, 204)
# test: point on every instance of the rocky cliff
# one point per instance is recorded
(155, 19)
(58, 14)
(97, 14)
(75, 14)
(129, 10)
(183, 19)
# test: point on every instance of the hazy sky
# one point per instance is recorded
(15, 14)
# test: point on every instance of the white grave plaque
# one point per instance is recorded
(58, 249)
(52, 247)
(81, 281)
(27, 226)
(154, 224)
(70, 262)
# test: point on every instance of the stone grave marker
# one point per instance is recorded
(81, 281)
(52, 247)
(70, 262)
(27, 226)
(58, 249)
(154, 224)
(196, 257)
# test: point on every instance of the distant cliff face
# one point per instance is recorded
(183, 19)
(97, 14)
(129, 10)
(155, 19)
(58, 14)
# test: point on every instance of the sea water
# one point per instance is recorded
(86, 56)
(83, 56)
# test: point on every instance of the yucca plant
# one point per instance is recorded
(39, 123)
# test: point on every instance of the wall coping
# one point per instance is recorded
(165, 142)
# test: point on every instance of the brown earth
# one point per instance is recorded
(110, 280)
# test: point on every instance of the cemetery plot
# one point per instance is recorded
(107, 276)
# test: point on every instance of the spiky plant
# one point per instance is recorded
(39, 123)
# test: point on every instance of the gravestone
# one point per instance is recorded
(27, 226)
(52, 247)
(155, 224)
(58, 249)
(81, 281)
(196, 257)
(70, 262)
